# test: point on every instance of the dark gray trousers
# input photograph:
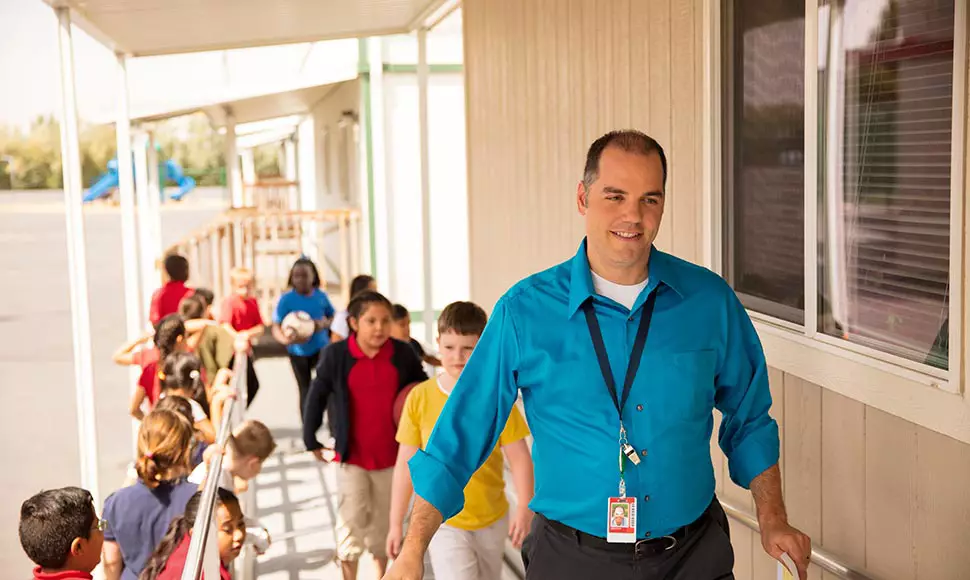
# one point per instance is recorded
(706, 554)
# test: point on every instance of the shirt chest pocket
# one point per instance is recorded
(680, 385)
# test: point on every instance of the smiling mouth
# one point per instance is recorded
(627, 236)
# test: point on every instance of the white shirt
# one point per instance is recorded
(340, 325)
(619, 293)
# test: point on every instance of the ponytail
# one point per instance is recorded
(169, 542)
(177, 530)
(164, 447)
(183, 370)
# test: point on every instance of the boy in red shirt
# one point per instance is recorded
(166, 299)
(61, 533)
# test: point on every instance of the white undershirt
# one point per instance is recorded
(620, 293)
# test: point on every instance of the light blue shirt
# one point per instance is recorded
(702, 353)
(318, 306)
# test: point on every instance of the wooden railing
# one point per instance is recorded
(272, 195)
(268, 242)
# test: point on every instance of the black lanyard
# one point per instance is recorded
(631, 369)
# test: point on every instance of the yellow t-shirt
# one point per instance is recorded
(485, 501)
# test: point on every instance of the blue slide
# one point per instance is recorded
(108, 181)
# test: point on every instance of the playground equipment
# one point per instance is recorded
(168, 171)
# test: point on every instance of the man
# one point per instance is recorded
(621, 354)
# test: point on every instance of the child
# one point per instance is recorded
(401, 330)
(358, 381)
(61, 533)
(182, 376)
(140, 514)
(340, 330)
(181, 406)
(214, 345)
(305, 295)
(169, 338)
(166, 299)
(470, 545)
(208, 298)
(250, 445)
(240, 314)
(168, 559)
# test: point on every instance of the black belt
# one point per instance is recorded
(642, 548)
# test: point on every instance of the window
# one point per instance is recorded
(886, 102)
(884, 114)
(764, 156)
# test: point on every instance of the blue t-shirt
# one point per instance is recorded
(318, 306)
(138, 518)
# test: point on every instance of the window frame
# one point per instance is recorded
(781, 337)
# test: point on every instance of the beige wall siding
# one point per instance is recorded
(544, 79)
(884, 495)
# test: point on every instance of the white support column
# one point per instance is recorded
(290, 172)
(156, 189)
(142, 195)
(247, 159)
(233, 181)
(129, 239)
(383, 203)
(77, 263)
(425, 184)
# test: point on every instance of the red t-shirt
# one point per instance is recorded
(242, 313)
(166, 300)
(373, 386)
(65, 575)
(176, 563)
(147, 359)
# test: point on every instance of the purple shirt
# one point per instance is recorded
(138, 517)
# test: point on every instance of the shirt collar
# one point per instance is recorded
(63, 575)
(385, 353)
(581, 279)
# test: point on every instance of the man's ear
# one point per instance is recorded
(582, 198)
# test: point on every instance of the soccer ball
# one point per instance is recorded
(298, 326)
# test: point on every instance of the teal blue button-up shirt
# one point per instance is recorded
(702, 353)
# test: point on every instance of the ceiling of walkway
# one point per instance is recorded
(155, 27)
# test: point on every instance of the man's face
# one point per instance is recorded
(623, 207)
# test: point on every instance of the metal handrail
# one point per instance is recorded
(203, 519)
(821, 558)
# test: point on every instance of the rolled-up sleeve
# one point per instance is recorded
(748, 435)
(473, 418)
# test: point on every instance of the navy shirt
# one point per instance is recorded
(318, 306)
(702, 353)
(138, 518)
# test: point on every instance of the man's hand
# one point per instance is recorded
(519, 525)
(395, 538)
(778, 538)
(409, 565)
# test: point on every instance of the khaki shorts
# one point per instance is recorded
(363, 510)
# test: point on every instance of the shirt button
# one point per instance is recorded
(643, 452)
(639, 407)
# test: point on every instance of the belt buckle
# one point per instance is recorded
(669, 541)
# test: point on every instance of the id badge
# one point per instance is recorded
(621, 526)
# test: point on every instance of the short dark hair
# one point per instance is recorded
(182, 370)
(359, 284)
(207, 296)
(360, 302)
(50, 522)
(399, 312)
(465, 318)
(315, 274)
(192, 307)
(177, 267)
(629, 140)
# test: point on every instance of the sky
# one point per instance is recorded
(30, 77)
